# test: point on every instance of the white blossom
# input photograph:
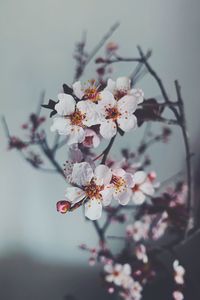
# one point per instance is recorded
(179, 272)
(73, 118)
(94, 186)
(143, 187)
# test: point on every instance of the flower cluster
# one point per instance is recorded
(179, 273)
(88, 105)
(120, 276)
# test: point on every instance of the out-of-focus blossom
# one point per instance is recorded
(177, 295)
(93, 186)
(160, 227)
(73, 118)
(116, 113)
(179, 273)
(117, 273)
(138, 230)
(112, 47)
(143, 187)
(141, 254)
(91, 139)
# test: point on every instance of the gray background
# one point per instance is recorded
(36, 46)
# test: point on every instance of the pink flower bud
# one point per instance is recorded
(63, 206)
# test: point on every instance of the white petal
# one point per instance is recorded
(102, 175)
(74, 194)
(88, 108)
(127, 123)
(118, 172)
(123, 83)
(77, 88)
(127, 104)
(147, 188)
(128, 177)
(106, 194)
(124, 197)
(66, 104)
(111, 86)
(138, 197)
(107, 101)
(109, 278)
(108, 268)
(77, 135)
(127, 269)
(93, 209)
(82, 173)
(108, 129)
(61, 125)
(139, 177)
(139, 94)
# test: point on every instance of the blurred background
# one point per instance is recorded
(39, 257)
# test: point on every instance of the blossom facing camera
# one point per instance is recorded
(63, 206)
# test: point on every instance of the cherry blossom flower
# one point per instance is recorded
(122, 87)
(115, 114)
(133, 292)
(91, 139)
(143, 187)
(141, 254)
(93, 186)
(138, 230)
(179, 273)
(73, 118)
(90, 92)
(122, 183)
(177, 295)
(117, 273)
(160, 227)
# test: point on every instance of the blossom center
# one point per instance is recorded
(118, 182)
(77, 118)
(92, 94)
(93, 190)
(112, 113)
(136, 188)
(118, 94)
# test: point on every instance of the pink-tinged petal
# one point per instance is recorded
(127, 123)
(128, 177)
(139, 177)
(61, 125)
(138, 198)
(77, 135)
(123, 197)
(74, 194)
(102, 175)
(106, 194)
(66, 105)
(77, 89)
(147, 188)
(93, 209)
(111, 86)
(108, 129)
(82, 173)
(127, 269)
(123, 83)
(118, 172)
(63, 206)
(127, 104)
(91, 139)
